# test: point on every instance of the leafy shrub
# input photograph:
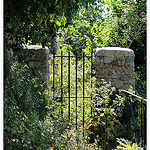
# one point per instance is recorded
(127, 145)
(107, 122)
(24, 109)
(102, 24)
(32, 118)
(140, 81)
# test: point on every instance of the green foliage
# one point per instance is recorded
(140, 86)
(108, 108)
(131, 20)
(127, 145)
(30, 121)
(112, 118)
(130, 28)
(103, 20)
(140, 81)
(37, 21)
(119, 23)
(24, 109)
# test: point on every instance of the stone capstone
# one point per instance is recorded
(37, 59)
(115, 65)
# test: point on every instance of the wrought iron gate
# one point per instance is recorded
(70, 62)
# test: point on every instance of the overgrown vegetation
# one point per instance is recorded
(33, 119)
(24, 109)
(108, 110)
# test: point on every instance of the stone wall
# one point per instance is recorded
(37, 59)
(115, 65)
(112, 64)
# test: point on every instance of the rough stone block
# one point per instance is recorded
(37, 59)
(115, 64)
(103, 66)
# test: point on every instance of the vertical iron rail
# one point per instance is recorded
(91, 78)
(145, 125)
(76, 92)
(142, 121)
(83, 91)
(61, 83)
(133, 119)
(53, 76)
(69, 84)
(128, 119)
(53, 72)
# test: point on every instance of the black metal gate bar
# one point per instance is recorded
(133, 119)
(61, 83)
(69, 84)
(145, 125)
(70, 97)
(53, 88)
(73, 56)
(91, 77)
(53, 72)
(143, 117)
(142, 121)
(76, 90)
(83, 91)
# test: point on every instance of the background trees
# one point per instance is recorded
(111, 23)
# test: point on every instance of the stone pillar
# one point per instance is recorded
(37, 59)
(115, 65)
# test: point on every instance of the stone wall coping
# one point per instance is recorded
(108, 51)
(114, 49)
(34, 47)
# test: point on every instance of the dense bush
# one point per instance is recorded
(24, 109)
(127, 145)
(112, 118)
(32, 118)
(107, 124)
(140, 81)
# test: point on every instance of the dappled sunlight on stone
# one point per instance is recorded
(115, 65)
